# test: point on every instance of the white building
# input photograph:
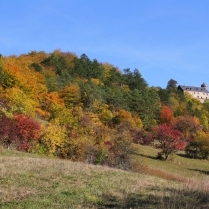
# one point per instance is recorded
(200, 93)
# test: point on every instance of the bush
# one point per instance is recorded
(121, 150)
(141, 137)
(18, 132)
(169, 140)
(199, 147)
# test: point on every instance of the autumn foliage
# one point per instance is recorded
(19, 132)
(62, 105)
(168, 140)
(166, 115)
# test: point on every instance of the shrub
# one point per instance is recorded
(199, 147)
(27, 131)
(8, 132)
(121, 150)
(141, 137)
(18, 132)
(168, 140)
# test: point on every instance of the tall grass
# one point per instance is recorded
(31, 181)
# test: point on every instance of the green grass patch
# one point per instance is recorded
(31, 181)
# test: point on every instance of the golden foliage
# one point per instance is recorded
(20, 102)
(53, 137)
(125, 116)
(71, 95)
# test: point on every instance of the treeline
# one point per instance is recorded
(73, 107)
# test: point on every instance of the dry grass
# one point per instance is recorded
(31, 181)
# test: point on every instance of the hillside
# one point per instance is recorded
(75, 119)
(59, 104)
(32, 181)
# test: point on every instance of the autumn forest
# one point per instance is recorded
(62, 105)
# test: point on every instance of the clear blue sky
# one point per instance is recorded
(163, 39)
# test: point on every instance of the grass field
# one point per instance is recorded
(36, 182)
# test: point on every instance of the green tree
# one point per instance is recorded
(6, 80)
(134, 79)
(172, 85)
(85, 68)
(146, 104)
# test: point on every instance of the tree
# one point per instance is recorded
(20, 102)
(112, 75)
(164, 96)
(71, 95)
(134, 79)
(123, 116)
(85, 68)
(6, 80)
(166, 115)
(168, 140)
(199, 147)
(187, 125)
(120, 150)
(172, 85)
(146, 104)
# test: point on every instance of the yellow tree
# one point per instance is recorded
(125, 116)
(18, 101)
(71, 95)
(52, 140)
(199, 147)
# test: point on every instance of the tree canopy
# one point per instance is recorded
(74, 107)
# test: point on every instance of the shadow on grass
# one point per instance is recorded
(131, 201)
(170, 198)
(189, 157)
(184, 155)
(200, 171)
(151, 157)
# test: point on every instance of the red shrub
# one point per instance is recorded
(8, 128)
(169, 140)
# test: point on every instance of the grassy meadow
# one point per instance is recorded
(35, 182)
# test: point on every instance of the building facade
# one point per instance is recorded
(200, 93)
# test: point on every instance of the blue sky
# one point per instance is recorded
(163, 39)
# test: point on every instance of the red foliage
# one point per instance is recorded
(169, 140)
(141, 137)
(28, 128)
(8, 129)
(27, 131)
(186, 124)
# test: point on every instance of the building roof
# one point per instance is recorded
(194, 88)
